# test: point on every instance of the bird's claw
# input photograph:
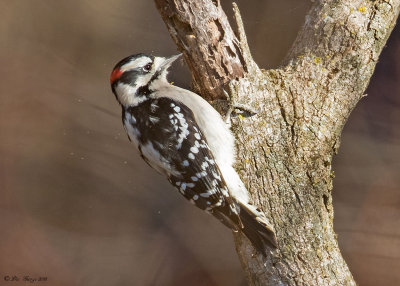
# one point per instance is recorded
(238, 109)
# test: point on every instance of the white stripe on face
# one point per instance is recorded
(140, 62)
(127, 95)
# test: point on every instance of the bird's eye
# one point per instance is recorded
(147, 67)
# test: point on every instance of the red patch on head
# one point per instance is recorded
(115, 75)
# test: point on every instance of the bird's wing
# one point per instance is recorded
(171, 142)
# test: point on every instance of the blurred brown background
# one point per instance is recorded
(79, 206)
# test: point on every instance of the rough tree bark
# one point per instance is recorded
(285, 151)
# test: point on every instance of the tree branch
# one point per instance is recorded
(285, 152)
(202, 32)
(336, 52)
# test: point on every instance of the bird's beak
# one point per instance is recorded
(168, 61)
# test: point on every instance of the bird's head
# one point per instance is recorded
(134, 77)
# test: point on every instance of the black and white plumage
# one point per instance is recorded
(182, 136)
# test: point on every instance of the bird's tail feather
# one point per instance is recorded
(257, 229)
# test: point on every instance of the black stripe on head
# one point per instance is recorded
(132, 58)
(130, 77)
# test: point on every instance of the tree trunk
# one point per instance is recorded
(285, 151)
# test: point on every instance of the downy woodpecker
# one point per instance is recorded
(183, 137)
